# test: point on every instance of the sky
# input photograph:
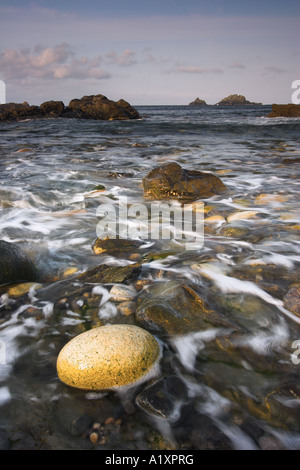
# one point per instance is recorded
(149, 52)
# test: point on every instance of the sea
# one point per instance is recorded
(241, 387)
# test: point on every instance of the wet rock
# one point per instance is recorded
(127, 308)
(291, 300)
(111, 274)
(122, 293)
(285, 110)
(171, 181)
(15, 265)
(100, 108)
(108, 357)
(164, 398)
(173, 308)
(118, 247)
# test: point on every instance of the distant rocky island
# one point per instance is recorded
(235, 100)
(96, 107)
(231, 100)
(198, 102)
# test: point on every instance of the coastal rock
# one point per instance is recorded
(235, 100)
(17, 111)
(108, 357)
(171, 308)
(52, 108)
(198, 102)
(164, 398)
(15, 265)
(100, 108)
(171, 181)
(111, 274)
(118, 247)
(89, 107)
(285, 110)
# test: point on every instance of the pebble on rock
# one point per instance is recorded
(108, 357)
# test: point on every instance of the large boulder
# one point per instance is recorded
(108, 357)
(15, 265)
(285, 110)
(235, 100)
(171, 181)
(101, 108)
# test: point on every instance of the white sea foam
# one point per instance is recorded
(229, 284)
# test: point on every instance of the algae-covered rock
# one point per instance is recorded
(171, 181)
(174, 308)
(108, 357)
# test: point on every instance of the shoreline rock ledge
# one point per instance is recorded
(97, 107)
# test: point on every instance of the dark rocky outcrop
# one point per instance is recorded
(285, 110)
(101, 108)
(89, 107)
(171, 181)
(198, 102)
(52, 108)
(15, 265)
(18, 111)
(235, 100)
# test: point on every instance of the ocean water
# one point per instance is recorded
(242, 396)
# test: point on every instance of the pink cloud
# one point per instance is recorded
(58, 62)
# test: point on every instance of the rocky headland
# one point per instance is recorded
(96, 107)
(285, 110)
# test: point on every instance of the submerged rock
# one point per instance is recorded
(285, 110)
(111, 274)
(164, 398)
(15, 265)
(118, 247)
(171, 181)
(108, 357)
(172, 308)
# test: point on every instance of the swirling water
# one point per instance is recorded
(243, 396)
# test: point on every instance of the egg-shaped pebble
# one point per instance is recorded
(108, 357)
